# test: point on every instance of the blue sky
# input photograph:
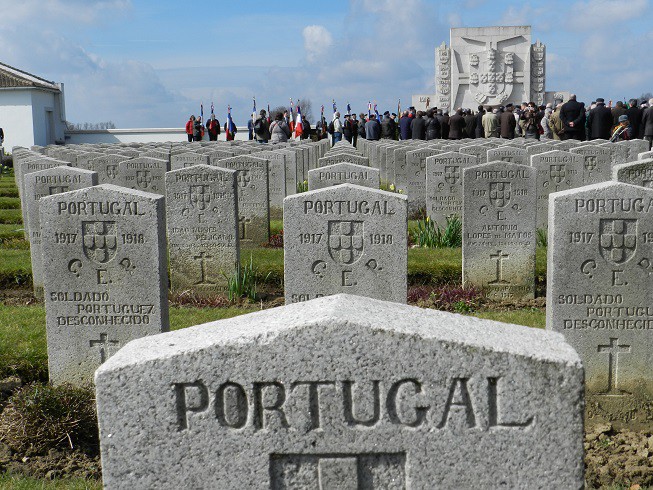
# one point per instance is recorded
(150, 63)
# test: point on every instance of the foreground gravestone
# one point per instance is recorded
(253, 198)
(345, 239)
(639, 172)
(343, 393)
(55, 180)
(599, 284)
(444, 185)
(104, 275)
(343, 173)
(499, 230)
(202, 222)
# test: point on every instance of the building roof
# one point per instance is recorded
(11, 77)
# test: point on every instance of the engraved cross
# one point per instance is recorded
(244, 222)
(613, 350)
(104, 344)
(499, 257)
(202, 259)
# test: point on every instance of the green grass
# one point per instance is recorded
(9, 203)
(276, 226)
(11, 216)
(10, 232)
(26, 483)
(437, 266)
(182, 317)
(15, 267)
(531, 317)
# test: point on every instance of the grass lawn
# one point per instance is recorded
(26, 483)
(9, 203)
(10, 216)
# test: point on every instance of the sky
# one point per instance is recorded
(151, 63)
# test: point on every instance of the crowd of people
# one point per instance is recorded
(562, 121)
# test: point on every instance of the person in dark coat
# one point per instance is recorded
(354, 129)
(599, 121)
(361, 126)
(470, 124)
(443, 117)
(432, 126)
(372, 129)
(404, 126)
(418, 126)
(213, 128)
(479, 131)
(647, 123)
(634, 114)
(346, 128)
(572, 116)
(508, 123)
(456, 125)
(617, 111)
(388, 127)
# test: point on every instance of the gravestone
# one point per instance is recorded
(645, 155)
(599, 292)
(636, 173)
(444, 185)
(253, 198)
(106, 167)
(55, 180)
(343, 173)
(619, 153)
(202, 222)
(104, 273)
(499, 230)
(343, 393)
(478, 151)
(143, 174)
(597, 163)
(188, 159)
(556, 171)
(278, 181)
(346, 157)
(346, 238)
(635, 147)
(508, 154)
(416, 177)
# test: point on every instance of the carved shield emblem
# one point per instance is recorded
(590, 163)
(58, 189)
(443, 55)
(557, 173)
(143, 178)
(538, 52)
(200, 196)
(346, 241)
(244, 178)
(112, 171)
(489, 79)
(451, 174)
(500, 194)
(100, 240)
(618, 240)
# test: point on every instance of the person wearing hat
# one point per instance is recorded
(508, 123)
(353, 122)
(599, 121)
(622, 131)
(346, 128)
(388, 127)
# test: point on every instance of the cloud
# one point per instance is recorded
(317, 42)
(68, 11)
(597, 13)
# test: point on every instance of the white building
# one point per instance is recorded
(32, 110)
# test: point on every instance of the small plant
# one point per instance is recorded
(243, 283)
(40, 417)
(389, 187)
(275, 241)
(541, 239)
(302, 187)
(430, 235)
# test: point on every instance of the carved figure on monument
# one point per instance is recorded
(489, 79)
(538, 51)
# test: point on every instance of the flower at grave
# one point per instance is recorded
(392, 187)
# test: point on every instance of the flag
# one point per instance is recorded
(202, 111)
(230, 125)
(399, 108)
(299, 127)
(268, 118)
(254, 110)
(291, 120)
(369, 109)
(376, 112)
(334, 106)
(212, 108)
(348, 109)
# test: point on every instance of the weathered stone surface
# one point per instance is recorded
(106, 167)
(639, 173)
(347, 157)
(416, 177)
(508, 154)
(599, 292)
(188, 159)
(143, 174)
(478, 151)
(202, 222)
(279, 181)
(343, 173)
(597, 163)
(343, 392)
(43, 183)
(104, 275)
(499, 230)
(556, 171)
(253, 198)
(444, 185)
(348, 239)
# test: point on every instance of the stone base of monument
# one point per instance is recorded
(343, 392)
